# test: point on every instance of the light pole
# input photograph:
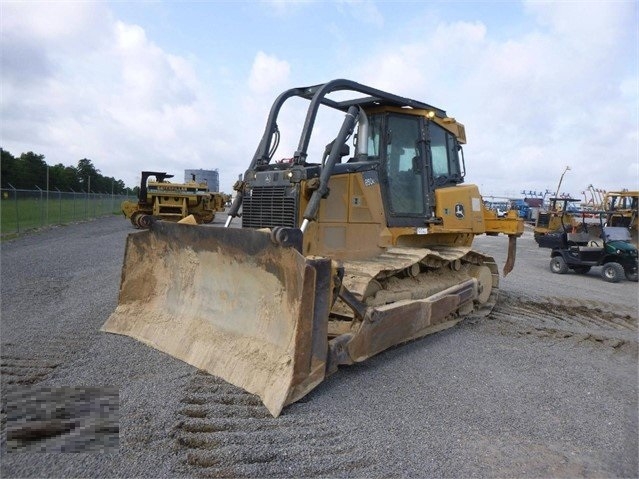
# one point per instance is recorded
(560, 180)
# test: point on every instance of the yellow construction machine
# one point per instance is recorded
(337, 258)
(551, 223)
(162, 200)
(622, 209)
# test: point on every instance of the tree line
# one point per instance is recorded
(30, 170)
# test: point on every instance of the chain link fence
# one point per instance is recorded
(22, 210)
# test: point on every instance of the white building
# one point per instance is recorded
(210, 177)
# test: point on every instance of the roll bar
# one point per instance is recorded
(317, 94)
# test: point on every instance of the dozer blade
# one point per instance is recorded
(241, 304)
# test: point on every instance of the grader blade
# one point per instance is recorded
(241, 304)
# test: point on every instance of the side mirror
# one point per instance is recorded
(417, 164)
(345, 150)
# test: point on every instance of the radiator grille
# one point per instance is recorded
(269, 206)
(543, 220)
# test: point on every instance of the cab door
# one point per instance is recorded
(403, 170)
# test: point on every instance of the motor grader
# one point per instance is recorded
(159, 199)
(337, 258)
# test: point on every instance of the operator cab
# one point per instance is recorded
(416, 156)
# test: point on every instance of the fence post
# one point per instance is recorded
(74, 218)
(47, 195)
(41, 210)
(15, 196)
(86, 205)
(59, 205)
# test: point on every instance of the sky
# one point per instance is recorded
(167, 86)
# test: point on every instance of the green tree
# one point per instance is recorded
(117, 186)
(87, 174)
(7, 168)
(31, 171)
(63, 178)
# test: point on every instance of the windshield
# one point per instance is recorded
(616, 233)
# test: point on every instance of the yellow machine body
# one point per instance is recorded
(160, 199)
(335, 261)
(622, 209)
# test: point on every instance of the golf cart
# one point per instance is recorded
(614, 252)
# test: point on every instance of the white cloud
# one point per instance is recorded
(104, 91)
(283, 8)
(77, 81)
(60, 24)
(364, 11)
(587, 25)
(422, 68)
(268, 77)
(557, 94)
(268, 73)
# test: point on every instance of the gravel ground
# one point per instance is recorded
(546, 386)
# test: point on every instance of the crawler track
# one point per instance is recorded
(418, 273)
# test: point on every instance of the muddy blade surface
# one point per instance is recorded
(228, 301)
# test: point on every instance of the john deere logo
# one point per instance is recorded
(459, 210)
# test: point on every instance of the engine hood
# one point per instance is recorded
(623, 246)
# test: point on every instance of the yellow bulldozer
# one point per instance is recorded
(552, 222)
(159, 199)
(336, 259)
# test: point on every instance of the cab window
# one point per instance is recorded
(406, 193)
(374, 136)
(443, 152)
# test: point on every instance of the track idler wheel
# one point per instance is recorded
(485, 279)
(134, 219)
(144, 221)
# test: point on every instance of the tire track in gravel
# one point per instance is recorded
(566, 318)
(20, 366)
(227, 432)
